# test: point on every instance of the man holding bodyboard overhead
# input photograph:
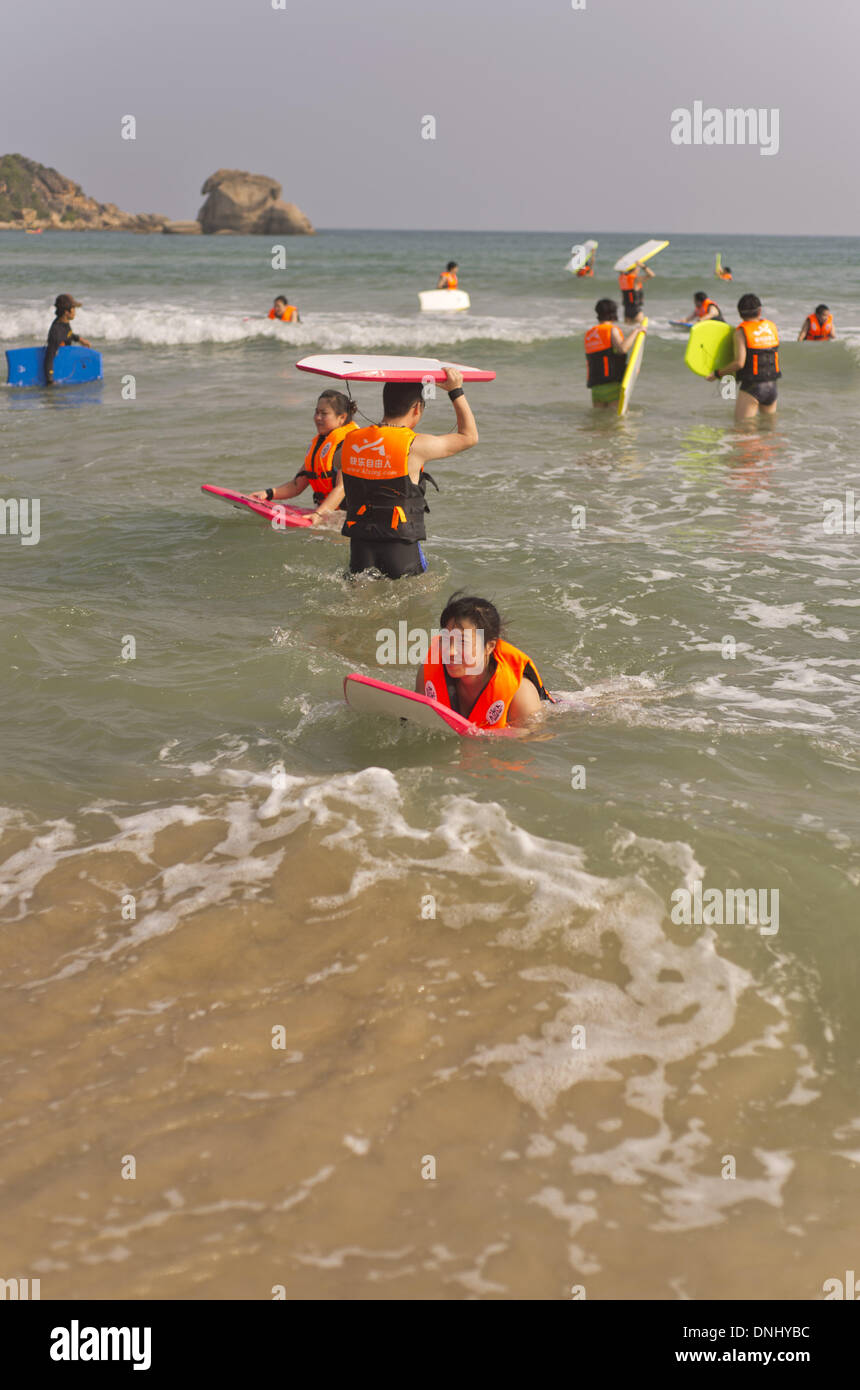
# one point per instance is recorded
(383, 478)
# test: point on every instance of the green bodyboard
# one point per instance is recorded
(710, 346)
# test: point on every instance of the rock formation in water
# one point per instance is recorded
(249, 203)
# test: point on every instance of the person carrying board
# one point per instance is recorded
(383, 478)
(606, 351)
(632, 293)
(755, 363)
(332, 422)
(60, 333)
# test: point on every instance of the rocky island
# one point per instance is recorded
(36, 198)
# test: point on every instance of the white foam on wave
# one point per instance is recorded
(178, 324)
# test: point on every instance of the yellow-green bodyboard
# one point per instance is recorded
(631, 371)
(709, 346)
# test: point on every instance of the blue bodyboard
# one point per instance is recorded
(26, 366)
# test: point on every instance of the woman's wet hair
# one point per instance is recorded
(749, 306)
(463, 607)
(340, 403)
(452, 265)
(606, 309)
(700, 296)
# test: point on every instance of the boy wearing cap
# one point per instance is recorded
(60, 333)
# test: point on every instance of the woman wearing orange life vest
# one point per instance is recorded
(632, 293)
(606, 351)
(287, 313)
(755, 363)
(817, 327)
(448, 277)
(472, 670)
(333, 422)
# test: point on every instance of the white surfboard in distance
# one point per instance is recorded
(443, 301)
(371, 368)
(579, 255)
(639, 253)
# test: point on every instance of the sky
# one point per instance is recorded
(547, 118)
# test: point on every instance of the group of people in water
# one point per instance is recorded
(755, 361)
(376, 476)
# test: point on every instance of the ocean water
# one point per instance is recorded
(502, 1069)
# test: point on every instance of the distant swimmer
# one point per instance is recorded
(283, 310)
(472, 670)
(632, 293)
(448, 277)
(333, 422)
(382, 471)
(704, 308)
(587, 268)
(755, 363)
(606, 351)
(722, 272)
(817, 327)
(60, 333)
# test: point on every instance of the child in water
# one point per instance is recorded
(284, 311)
(333, 422)
(472, 669)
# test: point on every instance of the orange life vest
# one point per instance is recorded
(319, 460)
(286, 316)
(450, 278)
(820, 328)
(490, 710)
(702, 309)
(631, 291)
(382, 502)
(604, 365)
(724, 274)
(762, 340)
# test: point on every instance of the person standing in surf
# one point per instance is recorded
(60, 333)
(755, 363)
(632, 293)
(474, 671)
(333, 422)
(448, 277)
(383, 478)
(606, 351)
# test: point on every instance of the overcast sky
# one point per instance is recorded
(547, 118)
